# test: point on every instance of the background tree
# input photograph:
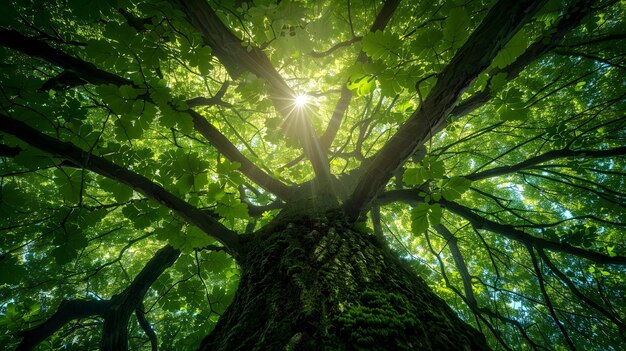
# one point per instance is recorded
(326, 166)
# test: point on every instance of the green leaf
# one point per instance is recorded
(185, 183)
(64, 254)
(497, 82)
(120, 32)
(227, 167)
(434, 215)
(362, 84)
(190, 238)
(32, 158)
(453, 188)
(434, 168)
(419, 218)
(128, 92)
(217, 262)
(232, 210)
(11, 272)
(512, 114)
(582, 235)
(201, 58)
(610, 250)
(389, 85)
(111, 95)
(380, 45)
(77, 240)
(200, 181)
(69, 184)
(426, 39)
(170, 117)
(455, 30)
(512, 50)
(127, 129)
(142, 215)
(121, 192)
(10, 16)
(412, 176)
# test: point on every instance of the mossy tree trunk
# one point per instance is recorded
(320, 284)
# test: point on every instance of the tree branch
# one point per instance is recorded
(501, 23)
(512, 233)
(597, 40)
(68, 310)
(507, 230)
(459, 261)
(213, 100)
(591, 57)
(147, 328)
(9, 151)
(575, 13)
(546, 297)
(110, 170)
(548, 156)
(469, 298)
(116, 311)
(230, 50)
(381, 21)
(335, 47)
(615, 319)
(115, 328)
(33, 47)
(229, 150)
(91, 74)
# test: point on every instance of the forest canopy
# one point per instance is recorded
(145, 144)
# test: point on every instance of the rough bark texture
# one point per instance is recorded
(319, 284)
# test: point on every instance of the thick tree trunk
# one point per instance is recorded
(320, 284)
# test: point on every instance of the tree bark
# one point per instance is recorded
(320, 284)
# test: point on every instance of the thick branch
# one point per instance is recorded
(410, 196)
(501, 23)
(509, 231)
(512, 233)
(576, 12)
(334, 124)
(597, 40)
(33, 47)
(147, 328)
(459, 261)
(229, 150)
(62, 81)
(116, 311)
(548, 156)
(91, 74)
(230, 50)
(67, 311)
(115, 328)
(110, 170)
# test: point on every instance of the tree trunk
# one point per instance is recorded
(320, 284)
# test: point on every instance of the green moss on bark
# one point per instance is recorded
(319, 284)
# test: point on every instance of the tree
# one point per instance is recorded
(291, 175)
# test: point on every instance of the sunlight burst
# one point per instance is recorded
(301, 100)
